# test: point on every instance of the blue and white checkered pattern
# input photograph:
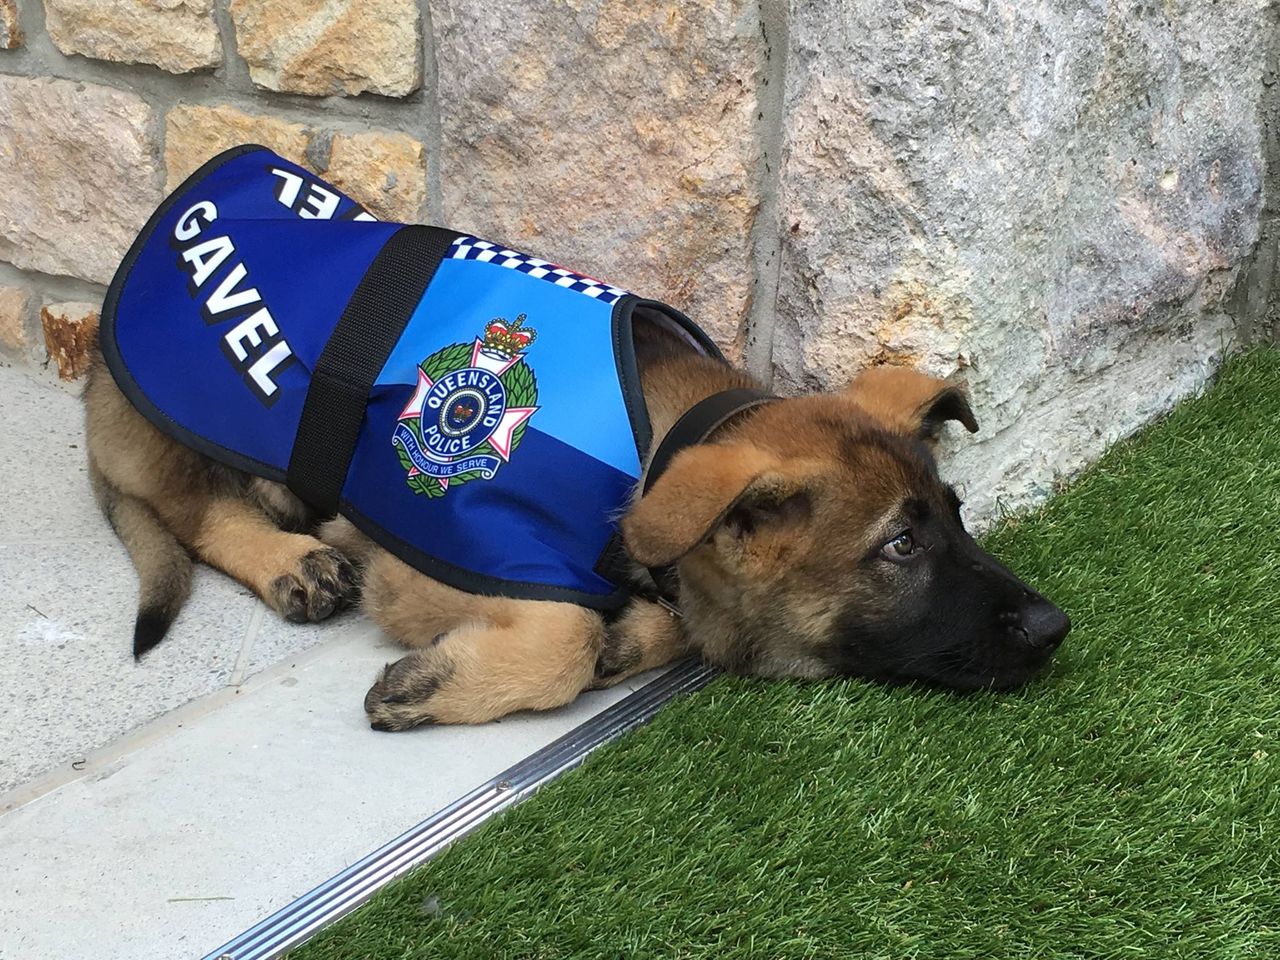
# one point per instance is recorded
(471, 248)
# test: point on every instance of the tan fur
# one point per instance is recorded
(212, 512)
(645, 636)
(478, 657)
(276, 500)
(699, 486)
(816, 501)
(163, 564)
(794, 575)
(899, 398)
(674, 385)
(341, 534)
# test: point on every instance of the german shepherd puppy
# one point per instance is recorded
(811, 537)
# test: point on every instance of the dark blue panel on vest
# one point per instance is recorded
(498, 442)
(231, 274)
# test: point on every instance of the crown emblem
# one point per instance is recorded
(469, 409)
(508, 339)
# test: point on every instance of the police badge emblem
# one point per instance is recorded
(469, 410)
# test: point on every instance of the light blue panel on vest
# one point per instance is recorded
(581, 402)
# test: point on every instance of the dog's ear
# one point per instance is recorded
(907, 401)
(709, 486)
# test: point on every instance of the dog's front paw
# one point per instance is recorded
(321, 582)
(401, 698)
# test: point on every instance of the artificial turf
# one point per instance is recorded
(1127, 805)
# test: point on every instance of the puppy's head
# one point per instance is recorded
(816, 538)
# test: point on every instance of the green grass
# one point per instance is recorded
(1125, 806)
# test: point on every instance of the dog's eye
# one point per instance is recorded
(900, 547)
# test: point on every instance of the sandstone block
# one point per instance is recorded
(14, 338)
(10, 30)
(175, 35)
(193, 134)
(325, 47)
(387, 172)
(629, 154)
(77, 175)
(69, 332)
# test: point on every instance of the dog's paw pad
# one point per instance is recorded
(323, 581)
(401, 697)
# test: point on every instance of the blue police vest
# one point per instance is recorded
(474, 410)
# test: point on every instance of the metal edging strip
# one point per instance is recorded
(342, 893)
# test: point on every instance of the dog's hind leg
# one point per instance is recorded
(160, 494)
(539, 660)
(479, 658)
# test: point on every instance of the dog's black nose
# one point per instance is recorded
(1043, 624)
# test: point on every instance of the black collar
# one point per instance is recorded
(697, 424)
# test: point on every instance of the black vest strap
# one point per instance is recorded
(356, 351)
(697, 424)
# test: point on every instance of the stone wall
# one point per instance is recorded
(1058, 202)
